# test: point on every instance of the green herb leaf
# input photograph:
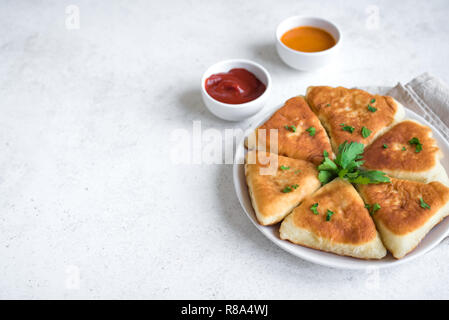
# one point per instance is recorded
(328, 105)
(290, 188)
(329, 215)
(352, 175)
(348, 153)
(404, 148)
(376, 207)
(326, 176)
(284, 167)
(373, 100)
(311, 131)
(290, 128)
(347, 128)
(328, 169)
(346, 166)
(371, 108)
(365, 132)
(370, 177)
(372, 208)
(297, 171)
(360, 180)
(385, 146)
(423, 204)
(328, 165)
(418, 145)
(314, 208)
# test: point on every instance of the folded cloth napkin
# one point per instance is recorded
(428, 97)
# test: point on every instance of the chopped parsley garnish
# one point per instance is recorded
(418, 145)
(329, 215)
(372, 208)
(290, 128)
(373, 100)
(284, 167)
(423, 204)
(314, 209)
(328, 105)
(404, 148)
(365, 132)
(371, 108)
(311, 131)
(347, 166)
(347, 128)
(385, 146)
(297, 171)
(288, 189)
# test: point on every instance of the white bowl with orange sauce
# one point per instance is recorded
(307, 43)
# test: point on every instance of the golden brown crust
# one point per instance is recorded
(299, 144)
(393, 157)
(270, 203)
(337, 106)
(350, 223)
(400, 210)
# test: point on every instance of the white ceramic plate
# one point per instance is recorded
(433, 238)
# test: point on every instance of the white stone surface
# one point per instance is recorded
(86, 183)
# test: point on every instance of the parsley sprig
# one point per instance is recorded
(347, 166)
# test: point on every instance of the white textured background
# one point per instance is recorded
(86, 182)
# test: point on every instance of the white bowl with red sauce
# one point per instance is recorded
(243, 106)
(302, 60)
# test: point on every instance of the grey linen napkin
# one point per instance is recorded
(427, 96)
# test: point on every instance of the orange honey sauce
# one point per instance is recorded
(308, 39)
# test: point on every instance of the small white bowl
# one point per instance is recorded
(307, 61)
(236, 112)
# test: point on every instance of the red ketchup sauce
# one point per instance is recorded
(234, 87)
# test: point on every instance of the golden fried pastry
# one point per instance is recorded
(407, 151)
(405, 211)
(334, 219)
(300, 133)
(353, 114)
(277, 184)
